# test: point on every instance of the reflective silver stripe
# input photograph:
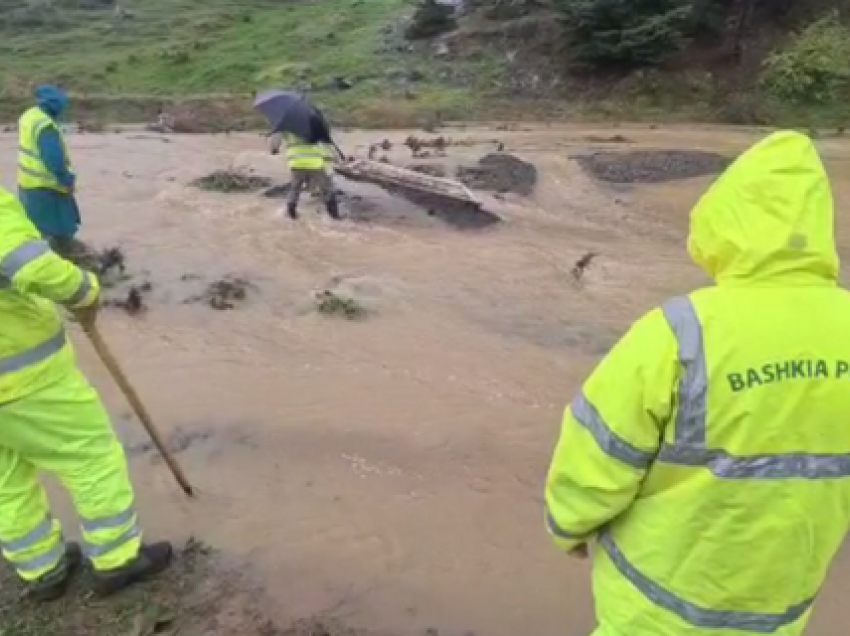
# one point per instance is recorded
(764, 466)
(40, 532)
(558, 531)
(22, 256)
(82, 291)
(760, 623)
(693, 385)
(40, 174)
(44, 561)
(95, 550)
(40, 124)
(614, 445)
(106, 523)
(37, 354)
(28, 153)
(690, 444)
(690, 448)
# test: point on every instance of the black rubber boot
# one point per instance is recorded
(292, 210)
(333, 209)
(53, 585)
(152, 560)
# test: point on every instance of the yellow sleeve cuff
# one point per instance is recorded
(86, 293)
(563, 539)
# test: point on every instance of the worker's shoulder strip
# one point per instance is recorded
(693, 384)
(21, 256)
(41, 123)
(689, 446)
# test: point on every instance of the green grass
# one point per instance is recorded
(223, 49)
(191, 46)
(210, 55)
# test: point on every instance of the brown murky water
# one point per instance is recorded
(387, 470)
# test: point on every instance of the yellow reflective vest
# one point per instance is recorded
(708, 456)
(32, 173)
(34, 348)
(303, 156)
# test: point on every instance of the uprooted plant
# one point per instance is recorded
(333, 304)
(231, 180)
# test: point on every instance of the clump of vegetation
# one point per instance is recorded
(108, 264)
(813, 68)
(430, 19)
(227, 293)
(743, 109)
(231, 180)
(332, 304)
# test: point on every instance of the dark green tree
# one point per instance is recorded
(626, 33)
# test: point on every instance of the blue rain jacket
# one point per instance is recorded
(55, 214)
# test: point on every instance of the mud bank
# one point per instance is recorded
(197, 596)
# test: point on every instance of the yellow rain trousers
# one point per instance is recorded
(708, 456)
(50, 417)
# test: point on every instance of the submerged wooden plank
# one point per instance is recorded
(393, 177)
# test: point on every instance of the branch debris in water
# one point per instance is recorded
(230, 181)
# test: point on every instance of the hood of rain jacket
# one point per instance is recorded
(51, 100)
(768, 220)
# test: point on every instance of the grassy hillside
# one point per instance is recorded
(351, 54)
(507, 59)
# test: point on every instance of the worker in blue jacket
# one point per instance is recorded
(46, 178)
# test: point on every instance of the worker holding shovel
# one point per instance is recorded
(707, 458)
(52, 419)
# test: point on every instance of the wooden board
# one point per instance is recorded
(394, 178)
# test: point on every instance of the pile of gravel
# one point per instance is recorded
(501, 173)
(652, 166)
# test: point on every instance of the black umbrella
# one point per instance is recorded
(288, 111)
(321, 128)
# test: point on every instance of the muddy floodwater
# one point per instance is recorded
(386, 470)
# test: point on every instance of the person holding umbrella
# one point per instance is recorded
(302, 126)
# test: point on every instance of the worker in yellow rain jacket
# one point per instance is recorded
(309, 166)
(707, 458)
(52, 419)
(46, 179)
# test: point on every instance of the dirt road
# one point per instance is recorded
(386, 470)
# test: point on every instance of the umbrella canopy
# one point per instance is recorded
(290, 111)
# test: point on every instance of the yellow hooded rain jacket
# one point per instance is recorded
(34, 349)
(709, 453)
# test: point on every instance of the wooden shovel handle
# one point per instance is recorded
(129, 392)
